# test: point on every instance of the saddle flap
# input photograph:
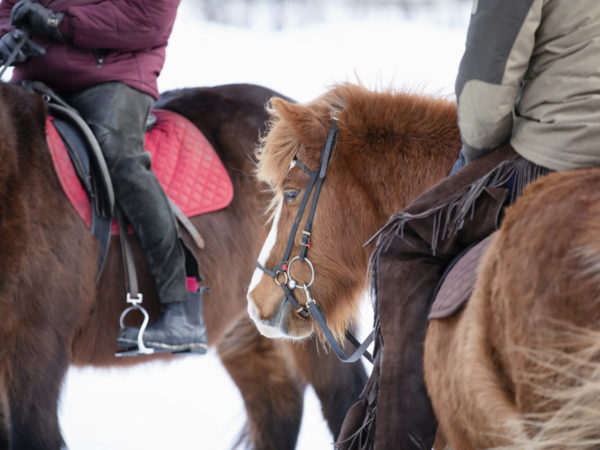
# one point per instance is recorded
(457, 285)
(187, 166)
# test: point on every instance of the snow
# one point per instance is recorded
(191, 403)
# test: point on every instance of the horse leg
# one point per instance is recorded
(272, 396)
(337, 385)
(33, 379)
(4, 418)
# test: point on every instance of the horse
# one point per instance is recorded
(56, 314)
(523, 356)
(517, 366)
(390, 147)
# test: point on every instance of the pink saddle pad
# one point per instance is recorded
(186, 165)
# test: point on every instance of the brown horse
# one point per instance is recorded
(54, 313)
(390, 147)
(523, 358)
(518, 366)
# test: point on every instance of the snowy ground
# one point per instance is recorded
(191, 403)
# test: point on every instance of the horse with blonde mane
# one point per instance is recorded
(390, 148)
(510, 367)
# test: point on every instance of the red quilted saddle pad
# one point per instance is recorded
(186, 165)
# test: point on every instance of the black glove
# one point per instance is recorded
(33, 17)
(10, 41)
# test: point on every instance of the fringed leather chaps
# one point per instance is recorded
(412, 252)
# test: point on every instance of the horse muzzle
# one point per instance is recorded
(284, 322)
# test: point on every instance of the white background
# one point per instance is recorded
(191, 403)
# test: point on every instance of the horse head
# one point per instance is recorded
(315, 249)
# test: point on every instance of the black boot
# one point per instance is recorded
(180, 328)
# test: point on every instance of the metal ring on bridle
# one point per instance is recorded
(276, 277)
(312, 270)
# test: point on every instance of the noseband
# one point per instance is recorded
(282, 273)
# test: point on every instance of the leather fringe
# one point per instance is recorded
(449, 218)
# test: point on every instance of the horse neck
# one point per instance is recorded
(398, 178)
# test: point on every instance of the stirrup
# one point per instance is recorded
(141, 349)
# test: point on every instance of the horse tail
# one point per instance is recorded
(565, 381)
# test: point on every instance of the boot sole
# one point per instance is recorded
(197, 348)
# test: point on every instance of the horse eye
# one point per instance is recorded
(291, 194)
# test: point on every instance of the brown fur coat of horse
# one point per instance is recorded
(384, 139)
(54, 314)
(519, 367)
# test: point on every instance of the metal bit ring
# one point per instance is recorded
(285, 278)
(312, 271)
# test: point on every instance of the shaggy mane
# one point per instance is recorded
(364, 116)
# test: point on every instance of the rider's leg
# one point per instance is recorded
(117, 115)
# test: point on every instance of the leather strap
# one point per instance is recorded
(317, 314)
(14, 53)
(131, 281)
(187, 224)
(58, 107)
(311, 308)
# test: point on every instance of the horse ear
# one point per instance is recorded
(305, 122)
(287, 111)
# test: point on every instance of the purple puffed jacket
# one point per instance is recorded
(106, 40)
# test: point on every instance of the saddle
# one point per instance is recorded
(185, 164)
(457, 283)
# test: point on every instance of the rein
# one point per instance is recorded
(282, 272)
(14, 53)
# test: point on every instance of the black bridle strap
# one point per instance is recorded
(323, 163)
(357, 344)
(290, 243)
(289, 296)
(316, 181)
(13, 55)
(317, 314)
(315, 176)
(269, 272)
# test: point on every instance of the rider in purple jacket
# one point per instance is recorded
(103, 57)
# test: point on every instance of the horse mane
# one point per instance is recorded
(365, 118)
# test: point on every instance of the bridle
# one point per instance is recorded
(282, 272)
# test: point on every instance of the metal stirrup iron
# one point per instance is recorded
(134, 297)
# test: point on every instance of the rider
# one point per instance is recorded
(528, 93)
(103, 57)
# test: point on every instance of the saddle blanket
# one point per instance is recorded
(185, 163)
(457, 285)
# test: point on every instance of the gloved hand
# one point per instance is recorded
(11, 40)
(37, 19)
